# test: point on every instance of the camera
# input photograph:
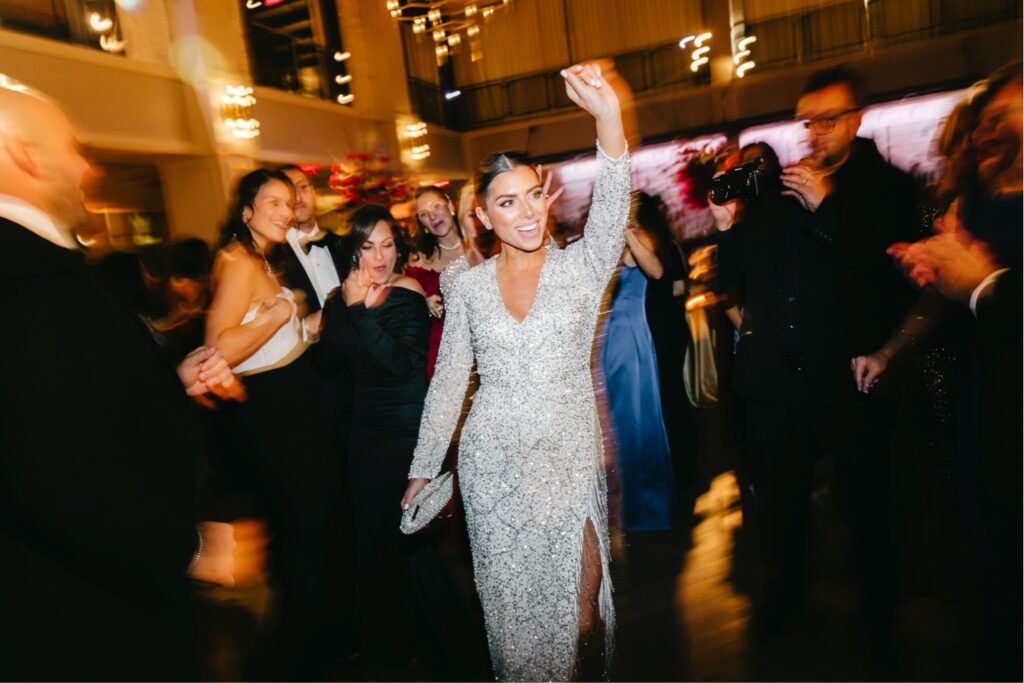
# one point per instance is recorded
(746, 181)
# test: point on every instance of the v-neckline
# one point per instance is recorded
(536, 293)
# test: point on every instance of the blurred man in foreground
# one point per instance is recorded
(975, 261)
(97, 486)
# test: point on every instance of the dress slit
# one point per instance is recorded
(594, 609)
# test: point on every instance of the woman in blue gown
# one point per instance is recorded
(630, 365)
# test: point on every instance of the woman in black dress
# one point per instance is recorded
(377, 325)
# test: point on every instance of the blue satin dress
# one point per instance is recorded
(639, 439)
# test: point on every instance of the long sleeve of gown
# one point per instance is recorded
(447, 389)
(451, 273)
(604, 236)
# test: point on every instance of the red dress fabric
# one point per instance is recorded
(430, 281)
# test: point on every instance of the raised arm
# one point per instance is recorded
(447, 389)
(645, 253)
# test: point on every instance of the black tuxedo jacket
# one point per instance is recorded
(818, 289)
(97, 488)
(1001, 366)
(294, 276)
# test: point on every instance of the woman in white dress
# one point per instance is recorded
(280, 445)
(531, 463)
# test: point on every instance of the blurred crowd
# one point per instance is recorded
(836, 310)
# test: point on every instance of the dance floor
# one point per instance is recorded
(683, 597)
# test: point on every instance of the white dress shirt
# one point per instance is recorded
(318, 263)
(35, 219)
(989, 280)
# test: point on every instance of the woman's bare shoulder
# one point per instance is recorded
(406, 282)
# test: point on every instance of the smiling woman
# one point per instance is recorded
(531, 462)
(255, 323)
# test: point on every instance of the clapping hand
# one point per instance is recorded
(359, 288)
(953, 262)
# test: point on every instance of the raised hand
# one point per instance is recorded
(546, 182)
(586, 87)
(356, 286)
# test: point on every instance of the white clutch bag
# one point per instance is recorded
(427, 503)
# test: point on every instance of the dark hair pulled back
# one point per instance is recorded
(494, 165)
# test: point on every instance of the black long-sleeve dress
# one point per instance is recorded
(409, 604)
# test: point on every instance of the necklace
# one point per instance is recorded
(458, 245)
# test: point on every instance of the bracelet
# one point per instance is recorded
(195, 556)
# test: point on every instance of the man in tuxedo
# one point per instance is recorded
(309, 263)
(818, 291)
(309, 266)
(97, 446)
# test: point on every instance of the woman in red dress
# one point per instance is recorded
(439, 243)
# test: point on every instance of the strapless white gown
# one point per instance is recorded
(278, 347)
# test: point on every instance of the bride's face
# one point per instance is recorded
(516, 209)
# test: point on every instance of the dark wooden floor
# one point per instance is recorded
(683, 597)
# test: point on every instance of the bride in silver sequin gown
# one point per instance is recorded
(531, 462)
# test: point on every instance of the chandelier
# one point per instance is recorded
(451, 23)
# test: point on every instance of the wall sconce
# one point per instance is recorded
(414, 141)
(100, 24)
(237, 109)
(699, 55)
(741, 56)
(109, 41)
(112, 44)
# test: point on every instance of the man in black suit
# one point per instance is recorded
(308, 263)
(97, 488)
(819, 292)
(308, 260)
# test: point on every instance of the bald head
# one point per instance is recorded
(40, 162)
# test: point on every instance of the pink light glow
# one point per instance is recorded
(904, 130)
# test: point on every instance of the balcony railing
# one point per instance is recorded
(822, 33)
(486, 104)
(846, 27)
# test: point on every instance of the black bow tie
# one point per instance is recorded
(322, 241)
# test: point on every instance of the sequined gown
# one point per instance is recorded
(531, 461)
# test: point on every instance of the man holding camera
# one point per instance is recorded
(818, 293)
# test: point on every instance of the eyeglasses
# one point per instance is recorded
(825, 124)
